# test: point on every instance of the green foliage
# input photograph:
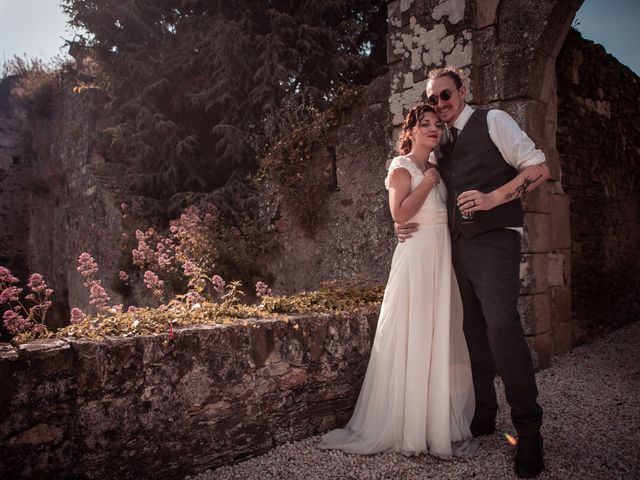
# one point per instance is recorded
(191, 82)
(336, 297)
(38, 82)
(289, 165)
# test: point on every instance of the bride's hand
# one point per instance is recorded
(432, 175)
(405, 230)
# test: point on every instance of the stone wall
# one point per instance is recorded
(59, 196)
(16, 164)
(353, 234)
(599, 144)
(149, 407)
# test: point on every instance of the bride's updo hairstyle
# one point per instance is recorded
(411, 120)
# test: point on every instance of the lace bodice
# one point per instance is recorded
(436, 200)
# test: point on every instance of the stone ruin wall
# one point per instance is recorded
(16, 162)
(58, 196)
(599, 144)
(149, 407)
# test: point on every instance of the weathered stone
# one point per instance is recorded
(598, 148)
(533, 273)
(562, 342)
(214, 393)
(541, 350)
(560, 298)
(537, 235)
(560, 221)
(555, 270)
(537, 201)
(535, 314)
(486, 13)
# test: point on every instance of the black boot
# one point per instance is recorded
(529, 457)
(482, 427)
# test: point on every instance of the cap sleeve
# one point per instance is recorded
(401, 162)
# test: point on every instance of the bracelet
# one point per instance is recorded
(430, 178)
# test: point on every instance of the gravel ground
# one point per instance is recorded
(591, 399)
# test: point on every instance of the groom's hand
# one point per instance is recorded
(475, 201)
(405, 230)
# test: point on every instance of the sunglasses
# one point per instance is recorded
(445, 95)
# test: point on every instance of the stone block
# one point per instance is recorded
(6, 161)
(533, 273)
(555, 270)
(541, 350)
(562, 338)
(534, 313)
(560, 221)
(560, 306)
(520, 73)
(537, 235)
(537, 201)
(486, 13)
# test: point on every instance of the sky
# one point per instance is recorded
(38, 28)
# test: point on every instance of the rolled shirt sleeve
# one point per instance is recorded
(514, 144)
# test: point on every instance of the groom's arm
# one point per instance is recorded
(520, 152)
(526, 181)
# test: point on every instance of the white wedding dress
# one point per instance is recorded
(417, 395)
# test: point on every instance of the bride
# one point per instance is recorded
(417, 396)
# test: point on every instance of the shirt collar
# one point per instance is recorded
(463, 118)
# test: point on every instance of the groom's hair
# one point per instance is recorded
(451, 72)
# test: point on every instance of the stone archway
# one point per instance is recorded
(508, 49)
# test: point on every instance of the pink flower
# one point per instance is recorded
(190, 269)
(98, 296)
(6, 278)
(15, 323)
(87, 266)
(77, 315)
(154, 284)
(124, 276)
(262, 289)
(10, 294)
(193, 297)
(36, 283)
(123, 206)
(217, 282)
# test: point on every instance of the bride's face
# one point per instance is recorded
(428, 131)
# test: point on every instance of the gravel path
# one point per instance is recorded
(591, 399)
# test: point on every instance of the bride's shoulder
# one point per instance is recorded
(401, 161)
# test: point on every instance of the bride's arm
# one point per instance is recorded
(404, 203)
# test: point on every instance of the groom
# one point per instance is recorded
(487, 165)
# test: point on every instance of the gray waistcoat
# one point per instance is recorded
(475, 163)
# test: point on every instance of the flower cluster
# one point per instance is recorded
(98, 296)
(186, 256)
(153, 283)
(21, 318)
(263, 290)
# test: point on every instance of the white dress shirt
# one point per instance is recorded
(516, 147)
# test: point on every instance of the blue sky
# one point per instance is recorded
(37, 28)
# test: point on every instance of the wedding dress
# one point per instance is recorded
(417, 395)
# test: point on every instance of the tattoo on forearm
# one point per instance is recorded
(521, 190)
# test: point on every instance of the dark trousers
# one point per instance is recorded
(487, 267)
